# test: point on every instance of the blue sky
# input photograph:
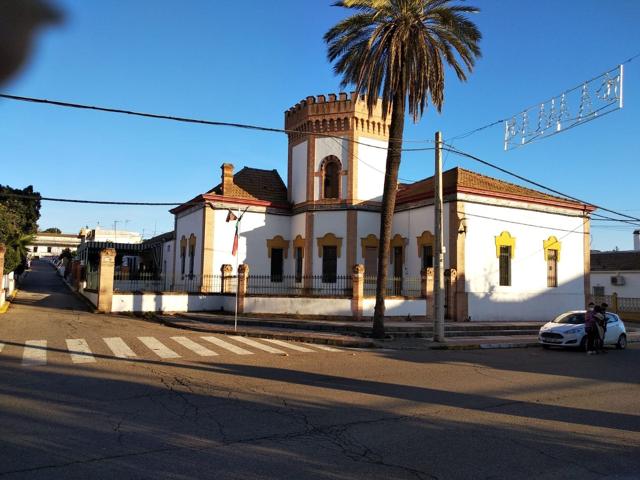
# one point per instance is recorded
(249, 61)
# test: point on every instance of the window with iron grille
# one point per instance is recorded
(427, 256)
(598, 291)
(505, 266)
(331, 179)
(192, 256)
(183, 255)
(276, 264)
(329, 264)
(299, 257)
(552, 268)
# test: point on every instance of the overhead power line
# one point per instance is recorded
(198, 121)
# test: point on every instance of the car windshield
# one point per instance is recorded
(572, 318)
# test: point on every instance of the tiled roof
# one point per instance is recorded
(615, 261)
(256, 184)
(459, 179)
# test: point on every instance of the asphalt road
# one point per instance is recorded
(175, 410)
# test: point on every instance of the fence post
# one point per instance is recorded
(2, 295)
(614, 302)
(225, 271)
(105, 279)
(357, 287)
(75, 274)
(243, 278)
(427, 291)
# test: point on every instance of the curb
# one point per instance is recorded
(339, 342)
(7, 302)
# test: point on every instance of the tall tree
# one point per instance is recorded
(397, 50)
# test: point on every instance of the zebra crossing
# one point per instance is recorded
(79, 350)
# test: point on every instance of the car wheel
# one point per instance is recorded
(622, 342)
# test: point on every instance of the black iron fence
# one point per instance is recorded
(306, 285)
(92, 280)
(396, 286)
(157, 282)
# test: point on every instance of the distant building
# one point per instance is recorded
(617, 271)
(52, 244)
(116, 236)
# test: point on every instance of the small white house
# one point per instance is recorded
(46, 245)
(617, 272)
(513, 253)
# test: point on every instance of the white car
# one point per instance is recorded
(567, 330)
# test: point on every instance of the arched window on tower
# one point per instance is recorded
(331, 178)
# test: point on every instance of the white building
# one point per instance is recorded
(116, 236)
(46, 245)
(617, 271)
(518, 254)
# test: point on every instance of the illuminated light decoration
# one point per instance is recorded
(591, 99)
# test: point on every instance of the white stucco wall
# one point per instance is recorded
(330, 222)
(630, 289)
(371, 167)
(528, 297)
(396, 307)
(154, 302)
(298, 192)
(338, 147)
(256, 228)
(186, 224)
(168, 259)
(298, 306)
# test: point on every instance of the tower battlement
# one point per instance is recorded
(334, 113)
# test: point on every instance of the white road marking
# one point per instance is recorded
(119, 348)
(227, 346)
(158, 348)
(80, 351)
(35, 353)
(288, 345)
(326, 348)
(194, 347)
(255, 344)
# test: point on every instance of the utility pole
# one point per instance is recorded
(438, 281)
(115, 230)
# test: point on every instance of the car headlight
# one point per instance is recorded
(574, 330)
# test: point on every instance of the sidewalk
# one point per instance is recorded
(402, 335)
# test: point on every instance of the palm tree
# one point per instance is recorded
(396, 50)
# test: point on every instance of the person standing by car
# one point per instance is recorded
(590, 329)
(599, 320)
(603, 310)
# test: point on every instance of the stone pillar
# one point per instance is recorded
(2, 294)
(225, 271)
(243, 279)
(614, 303)
(427, 291)
(105, 279)
(357, 296)
(75, 274)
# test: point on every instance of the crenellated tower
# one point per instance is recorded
(337, 151)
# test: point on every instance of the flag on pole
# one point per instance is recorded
(231, 217)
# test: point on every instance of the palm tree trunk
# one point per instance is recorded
(394, 152)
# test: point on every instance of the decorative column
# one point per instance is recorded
(451, 276)
(243, 278)
(226, 271)
(2, 250)
(357, 296)
(427, 290)
(105, 279)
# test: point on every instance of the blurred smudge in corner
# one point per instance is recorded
(19, 23)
